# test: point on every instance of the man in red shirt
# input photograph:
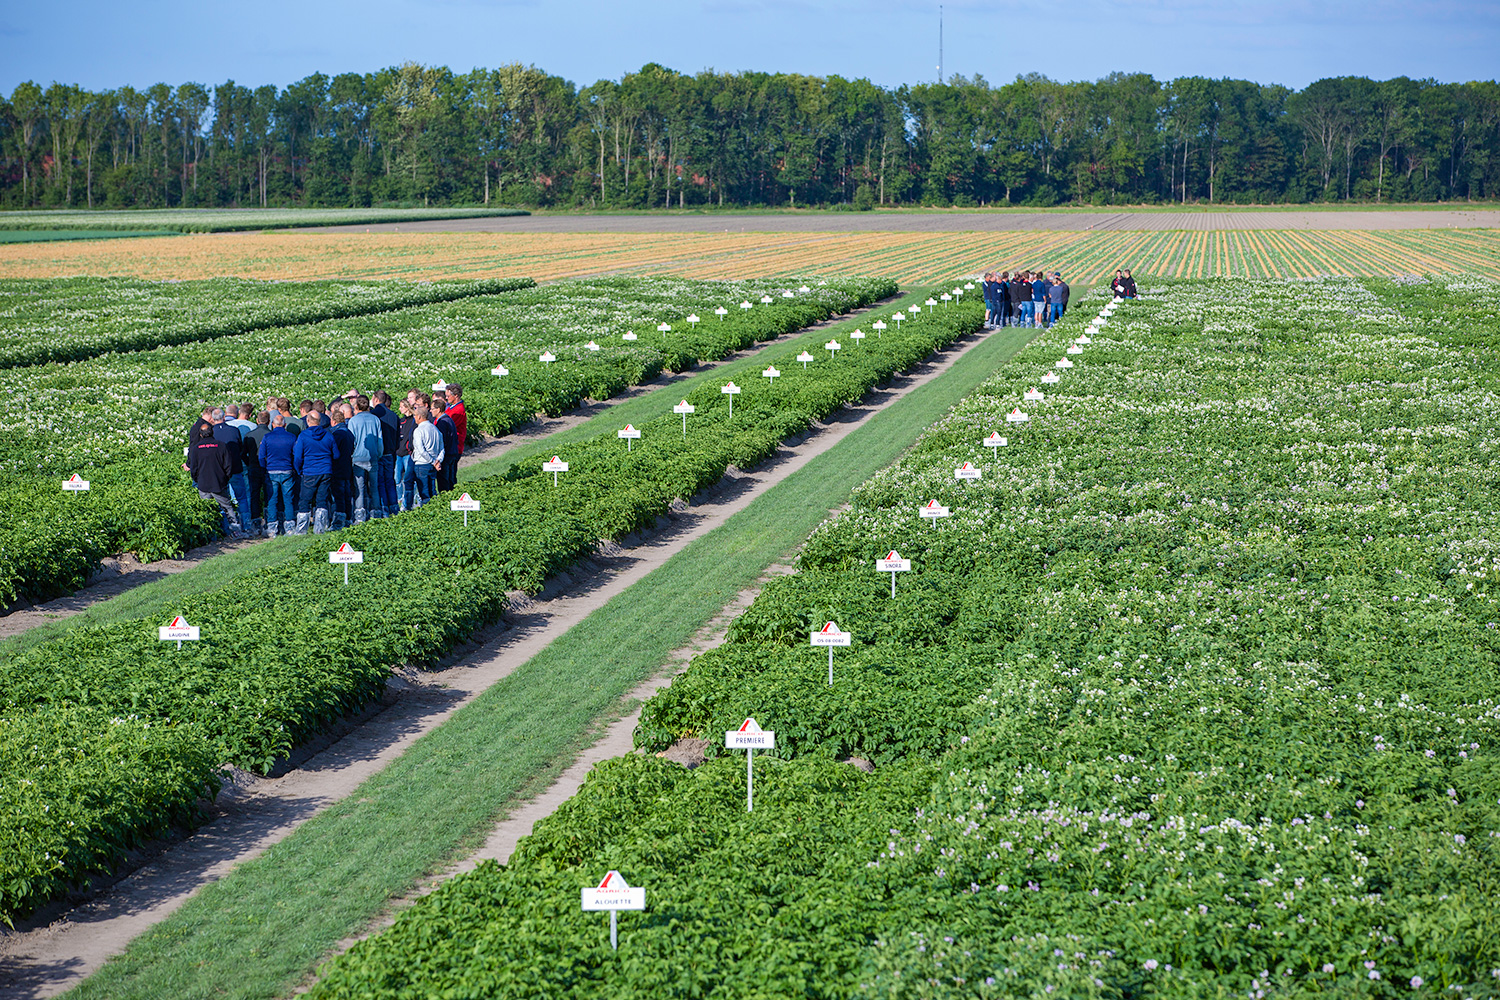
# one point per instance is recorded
(460, 420)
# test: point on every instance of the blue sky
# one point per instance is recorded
(104, 44)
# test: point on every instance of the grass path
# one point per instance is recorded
(261, 929)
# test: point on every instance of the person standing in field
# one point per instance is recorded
(313, 457)
(449, 430)
(253, 469)
(210, 463)
(234, 443)
(406, 482)
(341, 486)
(1039, 297)
(276, 458)
(1127, 283)
(369, 446)
(390, 434)
(460, 418)
(1020, 296)
(990, 309)
(1057, 297)
(426, 455)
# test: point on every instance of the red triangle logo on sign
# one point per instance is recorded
(829, 629)
(463, 499)
(967, 465)
(345, 547)
(893, 554)
(994, 436)
(629, 427)
(749, 726)
(178, 622)
(75, 478)
(554, 458)
(614, 880)
(932, 504)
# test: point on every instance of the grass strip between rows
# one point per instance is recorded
(258, 931)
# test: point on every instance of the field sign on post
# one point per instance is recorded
(996, 441)
(831, 346)
(179, 631)
(555, 466)
(967, 471)
(878, 326)
(75, 484)
(1052, 378)
(629, 336)
(592, 346)
(857, 336)
(547, 357)
(830, 636)
(1033, 395)
(771, 373)
(750, 738)
(1074, 349)
(934, 510)
(439, 386)
(344, 555)
(614, 894)
(731, 390)
(464, 503)
(721, 312)
(500, 371)
(630, 434)
(1016, 417)
(684, 408)
(1063, 363)
(804, 357)
(893, 564)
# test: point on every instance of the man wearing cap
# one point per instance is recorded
(1057, 297)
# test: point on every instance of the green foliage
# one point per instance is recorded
(290, 650)
(1193, 695)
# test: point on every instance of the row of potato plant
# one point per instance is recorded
(1192, 695)
(286, 651)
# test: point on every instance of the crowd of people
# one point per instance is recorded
(1026, 298)
(326, 465)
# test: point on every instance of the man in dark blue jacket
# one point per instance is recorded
(449, 430)
(314, 455)
(343, 491)
(390, 432)
(276, 458)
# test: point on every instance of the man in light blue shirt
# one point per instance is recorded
(369, 445)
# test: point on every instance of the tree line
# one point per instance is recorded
(658, 138)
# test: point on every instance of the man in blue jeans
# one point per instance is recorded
(314, 456)
(229, 436)
(1039, 297)
(426, 455)
(390, 432)
(281, 485)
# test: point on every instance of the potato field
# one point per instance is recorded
(1172, 664)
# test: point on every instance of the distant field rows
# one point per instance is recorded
(909, 257)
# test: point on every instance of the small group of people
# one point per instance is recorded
(1123, 285)
(1026, 298)
(326, 465)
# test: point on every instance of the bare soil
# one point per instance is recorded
(48, 955)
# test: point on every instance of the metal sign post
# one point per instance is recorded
(749, 737)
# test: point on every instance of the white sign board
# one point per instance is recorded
(614, 893)
(345, 555)
(75, 484)
(833, 345)
(1017, 417)
(684, 408)
(771, 373)
(893, 563)
(464, 502)
(1074, 349)
(1063, 363)
(439, 386)
(857, 335)
(749, 737)
(500, 370)
(554, 465)
(804, 357)
(731, 390)
(547, 357)
(629, 336)
(630, 435)
(1033, 395)
(179, 631)
(591, 346)
(967, 471)
(933, 509)
(995, 441)
(830, 636)
(1052, 378)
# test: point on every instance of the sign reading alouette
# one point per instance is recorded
(614, 893)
